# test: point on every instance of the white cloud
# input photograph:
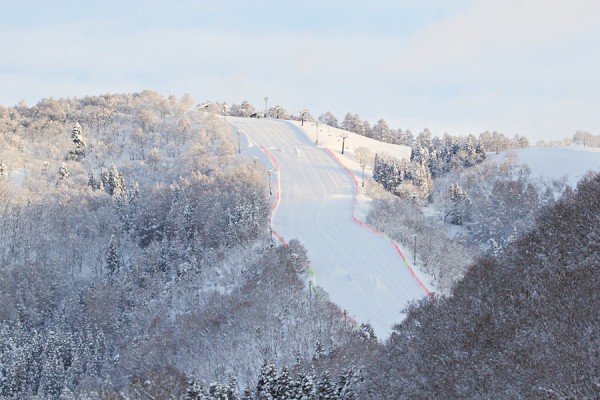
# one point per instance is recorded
(510, 27)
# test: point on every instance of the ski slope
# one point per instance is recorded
(557, 162)
(362, 272)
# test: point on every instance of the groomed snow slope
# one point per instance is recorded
(361, 271)
(555, 163)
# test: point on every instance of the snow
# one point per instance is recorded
(361, 271)
(17, 177)
(557, 162)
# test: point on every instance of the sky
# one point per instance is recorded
(527, 67)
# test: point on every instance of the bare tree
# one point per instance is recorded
(364, 156)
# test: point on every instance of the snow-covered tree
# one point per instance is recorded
(381, 131)
(325, 387)
(3, 170)
(353, 123)
(247, 109)
(113, 257)
(328, 119)
(267, 382)
(278, 112)
(458, 207)
(115, 183)
(63, 172)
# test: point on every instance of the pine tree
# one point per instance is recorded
(459, 205)
(115, 185)
(345, 385)
(325, 388)
(308, 384)
(104, 180)
(328, 119)
(194, 391)
(352, 123)
(367, 331)
(422, 180)
(377, 166)
(282, 385)
(265, 386)
(63, 172)
(217, 391)
(232, 391)
(319, 351)
(113, 263)
(248, 395)
(78, 151)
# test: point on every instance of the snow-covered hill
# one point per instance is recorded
(554, 163)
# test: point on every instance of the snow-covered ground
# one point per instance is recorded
(557, 162)
(17, 177)
(361, 271)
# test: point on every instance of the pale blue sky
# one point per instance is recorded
(518, 66)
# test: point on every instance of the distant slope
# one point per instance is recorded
(551, 163)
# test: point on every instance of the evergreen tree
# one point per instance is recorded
(113, 262)
(458, 209)
(78, 151)
(424, 139)
(409, 138)
(282, 385)
(420, 155)
(232, 392)
(194, 391)
(114, 182)
(248, 395)
(103, 181)
(365, 129)
(346, 383)
(479, 153)
(308, 384)
(352, 123)
(217, 391)
(265, 386)
(377, 168)
(367, 331)
(328, 119)
(63, 172)
(325, 388)
(319, 350)
(381, 131)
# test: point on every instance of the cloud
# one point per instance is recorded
(510, 27)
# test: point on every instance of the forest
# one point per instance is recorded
(136, 262)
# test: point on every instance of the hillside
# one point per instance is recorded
(523, 326)
(135, 256)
